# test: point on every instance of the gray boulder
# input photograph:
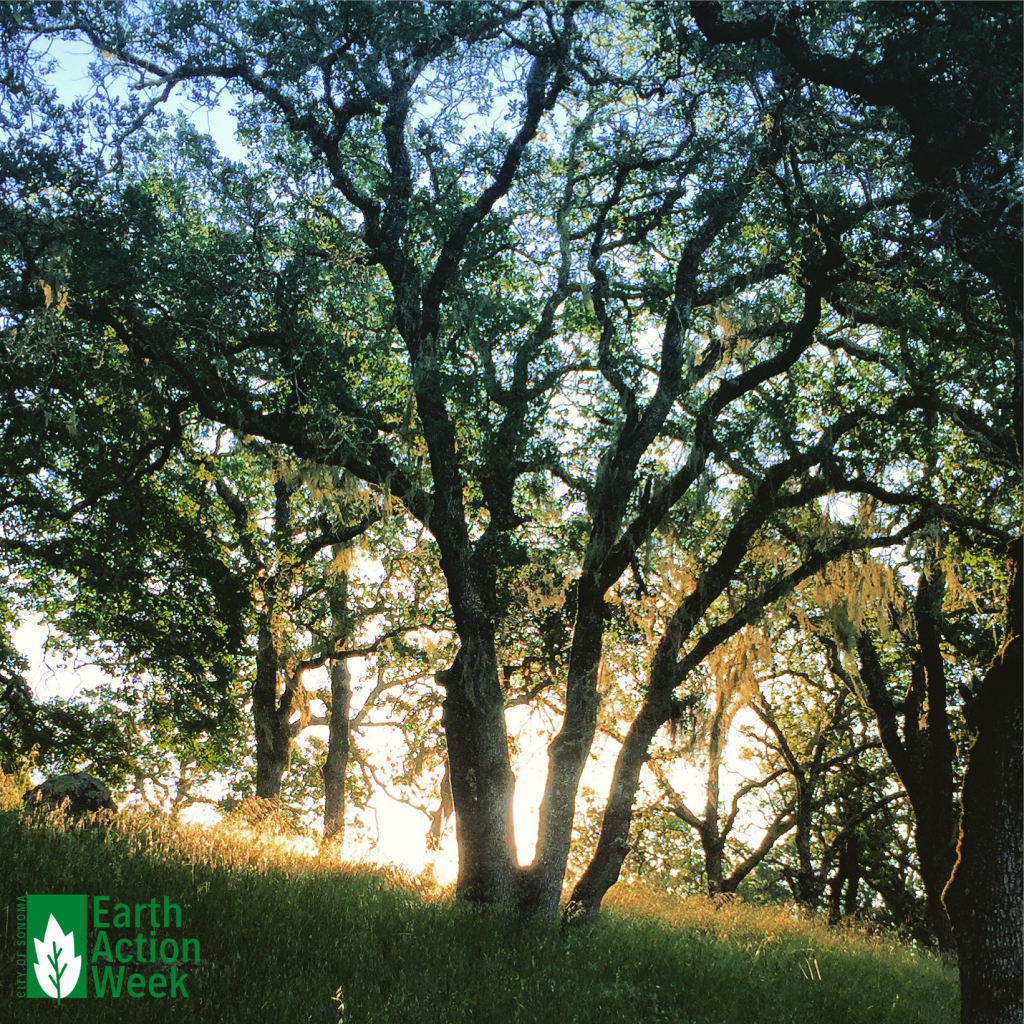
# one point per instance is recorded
(77, 793)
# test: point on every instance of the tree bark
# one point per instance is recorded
(603, 871)
(336, 764)
(481, 776)
(271, 725)
(842, 900)
(541, 884)
(808, 885)
(984, 895)
(922, 751)
(931, 751)
(335, 768)
(711, 841)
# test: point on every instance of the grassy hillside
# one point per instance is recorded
(286, 938)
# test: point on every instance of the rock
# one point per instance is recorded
(78, 793)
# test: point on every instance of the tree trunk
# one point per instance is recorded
(921, 749)
(272, 728)
(714, 859)
(541, 885)
(336, 763)
(603, 871)
(846, 880)
(931, 751)
(808, 886)
(984, 895)
(711, 840)
(481, 777)
(936, 854)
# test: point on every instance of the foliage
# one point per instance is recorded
(651, 331)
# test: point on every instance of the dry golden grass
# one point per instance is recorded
(760, 925)
(284, 926)
(11, 792)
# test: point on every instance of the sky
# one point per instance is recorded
(396, 832)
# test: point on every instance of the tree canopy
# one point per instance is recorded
(664, 329)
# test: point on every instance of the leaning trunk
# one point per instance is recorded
(603, 871)
(984, 895)
(541, 887)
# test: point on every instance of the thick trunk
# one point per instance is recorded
(273, 730)
(984, 895)
(481, 777)
(714, 860)
(541, 886)
(808, 887)
(474, 706)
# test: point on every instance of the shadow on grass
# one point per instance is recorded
(288, 938)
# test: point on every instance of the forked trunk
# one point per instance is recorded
(921, 748)
(931, 752)
(936, 853)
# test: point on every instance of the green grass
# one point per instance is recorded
(281, 934)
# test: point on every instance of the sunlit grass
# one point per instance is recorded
(291, 934)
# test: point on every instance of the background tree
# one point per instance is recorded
(732, 669)
(702, 335)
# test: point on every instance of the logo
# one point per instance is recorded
(56, 928)
(137, 949)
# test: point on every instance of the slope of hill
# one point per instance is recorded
(285, 937)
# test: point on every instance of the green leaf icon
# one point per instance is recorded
(57, 967)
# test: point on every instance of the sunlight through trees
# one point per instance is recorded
(652, 368)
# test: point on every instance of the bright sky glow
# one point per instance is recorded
(398, 832)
